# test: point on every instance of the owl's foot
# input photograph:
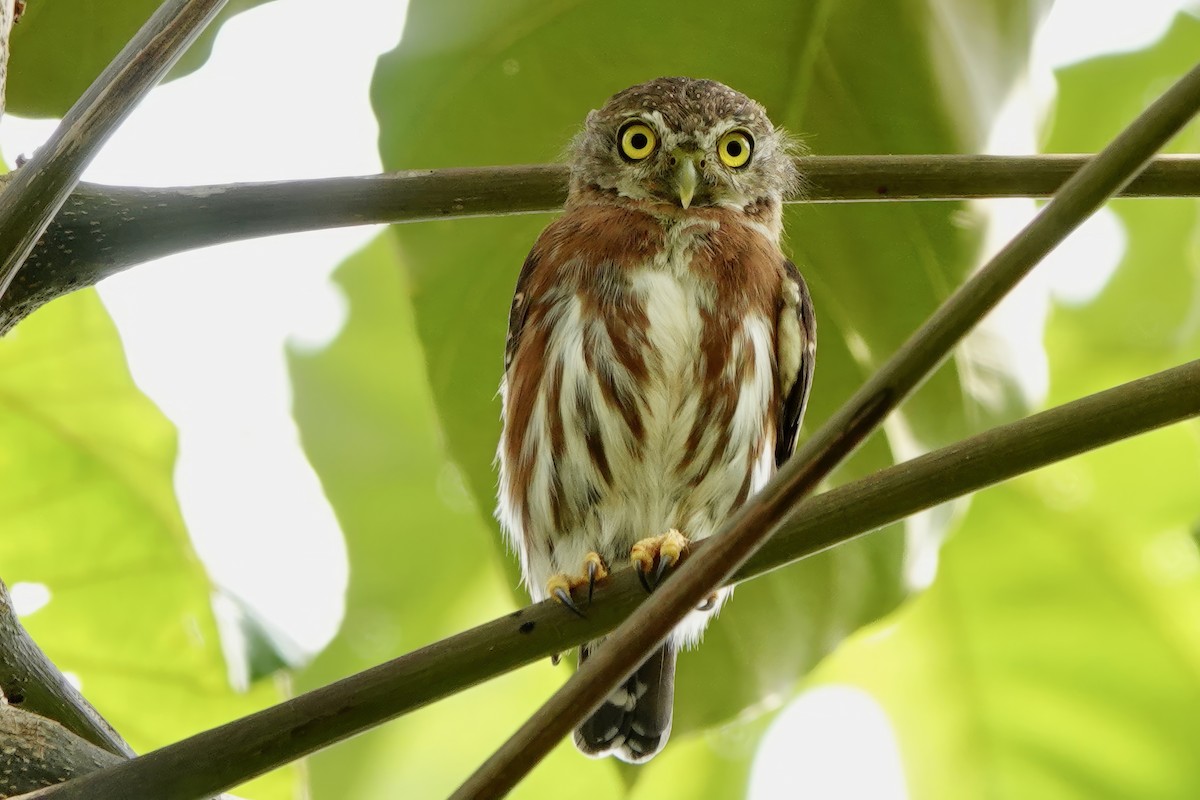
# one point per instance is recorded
(561, 586)
(666, 549)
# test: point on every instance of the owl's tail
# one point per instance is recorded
(635, 720)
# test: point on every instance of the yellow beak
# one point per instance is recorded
(686, 177)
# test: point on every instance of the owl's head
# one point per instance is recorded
(686, 143)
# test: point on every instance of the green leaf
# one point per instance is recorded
(1056, 654)
(476, 83)
(1099, 97)
(60, 46)
(89, 510)
(1146, 317)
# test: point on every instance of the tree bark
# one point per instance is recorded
(36, 752)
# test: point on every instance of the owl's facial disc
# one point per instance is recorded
(679, 144)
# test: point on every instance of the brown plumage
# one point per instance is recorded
(658, 363)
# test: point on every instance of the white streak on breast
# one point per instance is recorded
(672, 309)
(754, 398)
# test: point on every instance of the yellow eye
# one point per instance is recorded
(734, 149)
(637, 141)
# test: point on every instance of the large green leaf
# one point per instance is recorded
(60, 46)
(1099, 97)
(475, 83)
(87, 508)
(1056, 654)
(1148, 316)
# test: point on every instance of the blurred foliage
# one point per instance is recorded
(1057, 653)
(89, 512)
(60, 46)
(477, 83)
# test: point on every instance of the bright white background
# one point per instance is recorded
(285, 96)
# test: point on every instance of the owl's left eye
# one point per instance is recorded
(735, 148)
(637, 141)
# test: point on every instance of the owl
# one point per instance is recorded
(659, 358)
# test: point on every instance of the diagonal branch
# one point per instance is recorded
(103, 230)
(39, 188)
(217, 759)
(746, 531)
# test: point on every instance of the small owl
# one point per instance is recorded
(659, 357)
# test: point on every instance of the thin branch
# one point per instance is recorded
(235, 752)
(31, 682)
(39, 188)
(754, 522)
(103, 230)
(834, 179)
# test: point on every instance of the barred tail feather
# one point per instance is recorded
(634, 722)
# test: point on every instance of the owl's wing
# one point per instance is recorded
(518, 312)
(796, 350)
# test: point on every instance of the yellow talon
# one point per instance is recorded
(561, 585)
(642, 554)
(672, 546)
(593, 568)
(667, 549)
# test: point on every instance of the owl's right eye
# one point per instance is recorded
(637, 141)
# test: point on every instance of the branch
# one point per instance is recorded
(39, 188)
(755, 521)
(103, 230)
(37, 752)
(31, 682)
(235, 752)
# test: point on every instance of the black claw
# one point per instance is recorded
(662, 567)
(645, 581)
(564, 597)
(591, 580)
